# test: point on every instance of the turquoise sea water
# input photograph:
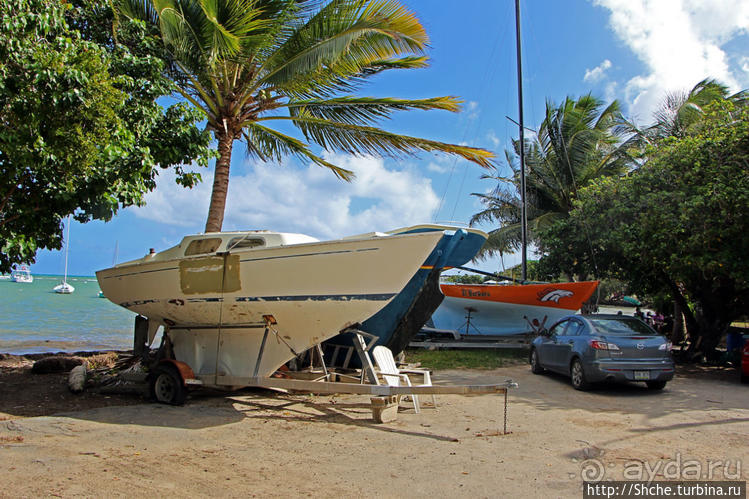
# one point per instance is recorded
(35, 319)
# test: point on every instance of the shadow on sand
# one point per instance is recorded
(205, 409)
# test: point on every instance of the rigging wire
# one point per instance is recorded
(473, 124)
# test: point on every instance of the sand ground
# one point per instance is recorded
(259, 443)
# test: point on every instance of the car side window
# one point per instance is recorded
(558, 329)
(574, 328)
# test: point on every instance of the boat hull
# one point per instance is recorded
(216, 306)
(63, 289)
(497, 310)
(22, 275)
(397, 323)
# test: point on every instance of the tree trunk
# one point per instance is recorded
(713, 318)
(689, 320)
(677, 332)
(220, 184)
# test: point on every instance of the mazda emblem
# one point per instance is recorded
(641, 346)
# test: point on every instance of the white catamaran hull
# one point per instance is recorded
(216, 305)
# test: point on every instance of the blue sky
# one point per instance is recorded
(631, 50)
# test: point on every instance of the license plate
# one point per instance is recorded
(642, 374)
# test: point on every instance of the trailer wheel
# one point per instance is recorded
(167, 386)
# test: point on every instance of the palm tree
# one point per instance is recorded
(681, 111)
(248, 64)
(578, 141)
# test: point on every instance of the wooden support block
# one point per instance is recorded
(384, 409)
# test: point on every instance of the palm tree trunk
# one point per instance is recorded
(220, 184)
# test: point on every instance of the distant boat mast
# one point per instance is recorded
(523, 215)
(116, 251)
(67, 249)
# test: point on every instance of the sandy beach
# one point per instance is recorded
(260, 443)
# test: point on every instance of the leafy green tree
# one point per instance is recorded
(578, 141)
(532, 271)
(80, 131)
(250, 64)
(678, 223)
(466, 278)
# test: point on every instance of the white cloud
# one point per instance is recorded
(596, 74)
(609, 93)
(680, 42)
(492, 137)
(307, 199)
(174, 205)
(438, 168)
(744, 63)
(473, 110)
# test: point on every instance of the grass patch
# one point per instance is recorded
(467, 359)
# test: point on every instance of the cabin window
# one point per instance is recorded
(244, 242)
(201, 246)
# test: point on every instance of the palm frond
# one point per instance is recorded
(367, 110)
(328, 81)
(680, 111)
(142, 10)
(345, 36)
(227, 23)
(500, 241)
(365, 140)
(268, 143)
(380, 65)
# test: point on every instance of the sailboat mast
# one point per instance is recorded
(67, 247)
(523, 215)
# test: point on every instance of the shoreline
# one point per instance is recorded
(56, 347)
(6, 356)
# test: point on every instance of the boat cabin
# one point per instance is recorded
(220, 242)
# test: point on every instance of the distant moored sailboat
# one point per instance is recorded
(65, 288)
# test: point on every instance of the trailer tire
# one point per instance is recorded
(167, 386)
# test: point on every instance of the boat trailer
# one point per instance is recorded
(169, 378)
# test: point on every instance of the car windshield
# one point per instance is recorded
(624, 327)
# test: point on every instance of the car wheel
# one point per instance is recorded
(167, 386)
(656, 385)
(577, 375)
(744, 378)
(535, 366)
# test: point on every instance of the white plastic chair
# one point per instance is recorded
(392, 375)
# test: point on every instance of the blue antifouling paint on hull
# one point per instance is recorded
(404, 316)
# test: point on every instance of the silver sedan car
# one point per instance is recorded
(594, 348)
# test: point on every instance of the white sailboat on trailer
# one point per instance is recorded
(238, 305)
(65, 288)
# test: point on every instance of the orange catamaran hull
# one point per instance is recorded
(501, 310)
